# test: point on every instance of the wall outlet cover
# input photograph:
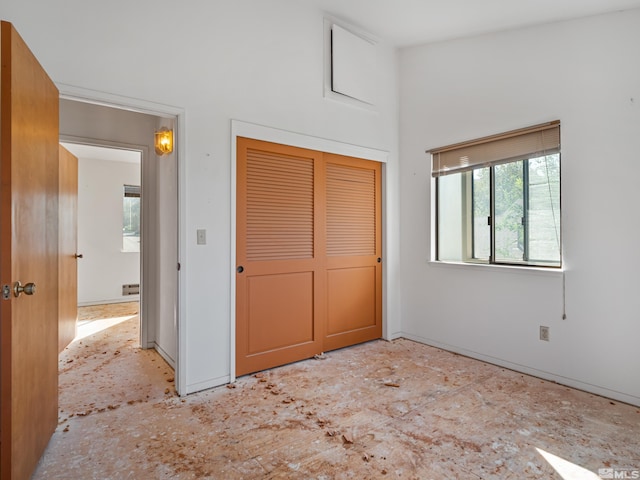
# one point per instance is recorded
(544, 333)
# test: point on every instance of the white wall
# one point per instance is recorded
(585, 73)
(104, 267)
(256, 61)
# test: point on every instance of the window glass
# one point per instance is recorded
(544, 209)
(481, 213)
(450, 218)
(509, 212)
(131, 219)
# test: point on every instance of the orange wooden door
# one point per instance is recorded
(29, 253)
(308, 244)
(278, 256)
(68, 248)
(354, 251)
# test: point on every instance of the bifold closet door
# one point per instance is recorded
(308, 278)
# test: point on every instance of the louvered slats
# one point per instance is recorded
(279, 207)
(351, 211)
(308, 274)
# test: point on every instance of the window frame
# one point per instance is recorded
(467, 199)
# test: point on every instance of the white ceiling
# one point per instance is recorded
(92, 152)
(413, 22)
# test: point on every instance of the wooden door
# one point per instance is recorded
(354, 251)
(68, 248)
(29, 253)
(279, 270)
(308, 248)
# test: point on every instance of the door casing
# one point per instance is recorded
(74, 93)
(274, 135)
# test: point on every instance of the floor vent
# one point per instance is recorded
(131, 289)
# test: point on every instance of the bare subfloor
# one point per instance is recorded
(378, 410)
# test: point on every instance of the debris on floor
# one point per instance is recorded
(443, 416)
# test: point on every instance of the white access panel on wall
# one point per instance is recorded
(353, 65)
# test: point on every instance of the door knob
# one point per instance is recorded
(28, 289)
(78, 255)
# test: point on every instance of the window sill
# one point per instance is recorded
(551, 272)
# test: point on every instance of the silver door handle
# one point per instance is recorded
(28, 289)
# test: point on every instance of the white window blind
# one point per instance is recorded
(521, 144)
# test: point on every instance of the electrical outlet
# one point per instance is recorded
(544, 333)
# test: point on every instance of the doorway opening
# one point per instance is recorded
(127, 217)
(108, 233)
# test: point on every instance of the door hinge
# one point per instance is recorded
(178, 266)
(6, 292)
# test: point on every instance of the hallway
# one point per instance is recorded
(377, 410)
(107, 368)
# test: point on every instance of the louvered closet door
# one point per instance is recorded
(279, 255)
(353, 245)
(308, 241)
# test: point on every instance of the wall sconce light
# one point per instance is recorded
(164, 141)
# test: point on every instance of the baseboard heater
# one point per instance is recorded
(131, 289)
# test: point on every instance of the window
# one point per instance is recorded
(498, 198)
(131, 219)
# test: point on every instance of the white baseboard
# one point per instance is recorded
(214, 382)
(165, 355)
(130, 298)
